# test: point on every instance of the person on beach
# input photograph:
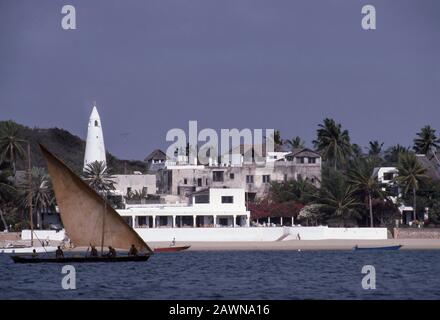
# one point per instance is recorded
(133, 251)
(59, 253)
(93, 252)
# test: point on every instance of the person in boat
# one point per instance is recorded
(34, 254)
(93, 252)
(133, 251)
(111, 252)
(59, 253)
(173, 243)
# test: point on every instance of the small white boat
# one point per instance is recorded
(25, 249)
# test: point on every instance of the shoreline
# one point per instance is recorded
(290, 245)
(305, 245)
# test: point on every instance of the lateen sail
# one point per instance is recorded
(82, 211)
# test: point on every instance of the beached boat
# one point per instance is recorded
(87, 218)
(171, 249)
(396, 247)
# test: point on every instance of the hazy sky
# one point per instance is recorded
(284, 64)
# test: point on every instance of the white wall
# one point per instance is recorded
(135, 182)
(43, 235)
(260, 233)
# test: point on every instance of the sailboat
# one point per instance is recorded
(87, 218)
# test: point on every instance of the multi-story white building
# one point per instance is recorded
(223, 207)
(181, 178)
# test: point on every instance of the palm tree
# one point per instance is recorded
(393, 153)
(41, 190)
(300, 191)
(98, 176)
(426, 140)
(10, 143)
(294, 143)
(338, 197)
(332, 141)
(356, 151)
(360, 176)
(410, 174)
(375, 148)
(7, 191)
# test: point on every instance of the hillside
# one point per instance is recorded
(69, 148)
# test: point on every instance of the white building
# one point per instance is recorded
(386, 176)
(127, 183)
(208, 209)
(95, 149)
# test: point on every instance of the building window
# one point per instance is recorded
(185, 181)
(227, 199)
(231, 176)
(217, 176)
(312, 160)
(142, 221)
(249, 179)
(96, 123)
(203, 198)
(300, 160)
(199, 182)
(128, 190)
(266, 178)
(388, 176)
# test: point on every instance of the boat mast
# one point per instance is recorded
(30, 193)
(103, 225)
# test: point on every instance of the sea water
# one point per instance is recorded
(234, 275)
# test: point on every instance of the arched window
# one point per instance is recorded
(96, 123)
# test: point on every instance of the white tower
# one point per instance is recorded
(95, 149)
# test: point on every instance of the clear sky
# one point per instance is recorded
(153, 65)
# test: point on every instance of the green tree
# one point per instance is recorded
(300, 190)
(42, 195)
(98, 176)
(294, 143)
(392, 154)
(332, 142)
(360, 176)
(410, 175)
(426, 140)
(7, 192)
(375, 148)
(10, 143)
(338, 197)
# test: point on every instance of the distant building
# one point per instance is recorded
(155, 160)
(95, 149)
(386, 176)
(129, 183)
(182, 179)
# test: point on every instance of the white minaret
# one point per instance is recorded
(95, 149)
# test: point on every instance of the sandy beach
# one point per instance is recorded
(408, 244)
